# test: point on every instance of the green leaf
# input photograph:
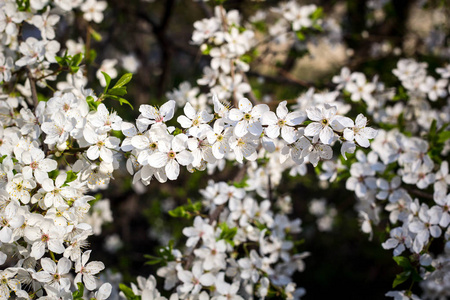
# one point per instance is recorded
(443, 136)
(260, 25)
(165, 255)
(433, 128)
(153, 260)
(400, 278)
(124, 101)
(177, 131)
(71, 176)
(108, 81)
(227, 233)
(246, 58)
(318, 27)
(403, 262)
(300, 35)
(76, 59)
(120, 91)
(78, 294)
(178, 212)
(92, 103)
(97, 36)
(416, 276)
(128, 292)
(74, 69)
(60, 60)
(91, 56)
(317, 14)
(241, 184)
(187, 211)
(123, 80)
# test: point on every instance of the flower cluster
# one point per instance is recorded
(402, 175)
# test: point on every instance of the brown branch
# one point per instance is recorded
(33, 88)
(292, 78)
(251, 95)
(269, 189)
(421, 194)
(166, 47)
(206, 10)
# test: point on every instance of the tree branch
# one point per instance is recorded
(33, 88)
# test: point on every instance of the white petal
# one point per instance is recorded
(255, 128)
(172, 169)
(189, 111)
(282, 110)
(184, 121)
(245, 105)
(313, 129)
(48, 265)
(158, 159)
(184, 158)
(269, 118)
(241, 128)
(93, 152)
(326, 135)
(272, 131)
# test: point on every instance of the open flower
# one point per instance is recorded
(247, 118)
(171, 155)
(359, 132)
(86, 271)
(282, 121)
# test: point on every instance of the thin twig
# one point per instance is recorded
(251, 95)
(206, 10)
(33, 88)
(421, 194)
(269, 189)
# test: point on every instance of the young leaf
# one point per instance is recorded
(128, 292)
(108, 81)
(400, 278)
(60, 60)
(123, 80)
(443, 136)
(78, 294)
(96, 35)
(71, 176)
(118, 91)
(403, 262)
(76, 59)
(92, 103)
(300, 35)
(124, 101)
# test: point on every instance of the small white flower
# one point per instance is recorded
(282, 121)
(247, 118)
(86, 270)
(93, 10)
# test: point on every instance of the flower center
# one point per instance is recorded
(171, 154)
(45, 238)
(34, 165)
(66, 107)
(240, 142)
